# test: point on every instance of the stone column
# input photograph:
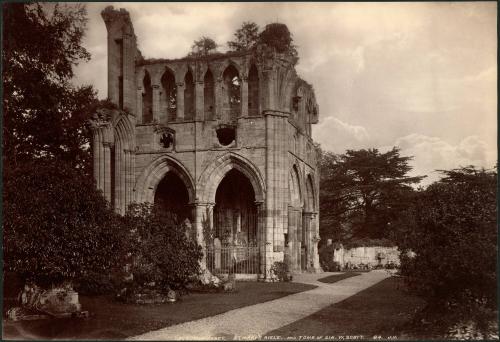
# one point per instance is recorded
(262, 241)
(244, 97)
(219, 98)
(314, 241)
(95, 154)
(131, 177)
(101, 161)
(139, 104)
(199, 105)
(308, 237)
(180, 101)
(107, 170)
(203, 221)
(156, 103)
(118, 190)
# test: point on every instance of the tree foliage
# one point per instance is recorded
(44, 114)
(279, 37)
(55, 226)
(204, 46)
(452, 233)
(362, 193)
(161, 250)
(245, 38)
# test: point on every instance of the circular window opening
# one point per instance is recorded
(226, 135)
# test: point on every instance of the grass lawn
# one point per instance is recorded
(337, 277)
(113, 320)
(381, 310)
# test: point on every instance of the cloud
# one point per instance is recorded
(336, 135)
(433, 153)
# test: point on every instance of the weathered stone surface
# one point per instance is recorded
(257, 94)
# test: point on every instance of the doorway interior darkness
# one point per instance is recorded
(235, 213)
(172, 196)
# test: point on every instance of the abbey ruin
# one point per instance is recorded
(222, 140)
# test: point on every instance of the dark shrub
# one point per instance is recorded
(57, 226)
(161, 251)
(326, 259)
(449, 243)
(280, 270)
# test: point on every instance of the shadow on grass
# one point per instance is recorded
(379, 311)
(337, 277)
(113, 320)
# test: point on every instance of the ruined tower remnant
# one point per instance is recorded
(222, 140)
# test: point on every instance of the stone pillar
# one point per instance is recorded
(244, 97)
(314, 242)
(131, 178)
(180, 101)
(307, 227)
(263, 241)
(203, 221)
(118, 189)
(101, 162)
(199, 98)
(107, 170)
(139, 105)
(156, 103)
(219, 98)
(95, 154)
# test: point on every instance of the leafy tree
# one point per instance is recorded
(56, 227)
(245, 38)
(380, 185)
(278, 36)
(451, 231)
(335, 201)
(204, 46)
(362, 193)
(43, 114)
(161, 249)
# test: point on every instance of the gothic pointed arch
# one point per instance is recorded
(209, 95)
(215, 172)
(168, 96)
(253, 91)
(189, 95)
(295, 191)
(310, 194)
(147, 183)
(231, 102)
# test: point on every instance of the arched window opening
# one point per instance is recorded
(209, 95)
(295, 107)
(294, 189)
(310, 206)
(147, 99)
(253, 91)
(232, 90)
(169, 95)
(189, 96)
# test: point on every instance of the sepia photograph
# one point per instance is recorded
(240, 171)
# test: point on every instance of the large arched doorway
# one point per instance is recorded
(172, 198)
(235, 248)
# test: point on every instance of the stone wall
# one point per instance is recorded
(373, 255)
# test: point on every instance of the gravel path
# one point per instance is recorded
(252, 322)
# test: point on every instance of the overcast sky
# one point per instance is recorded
(421, 76)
